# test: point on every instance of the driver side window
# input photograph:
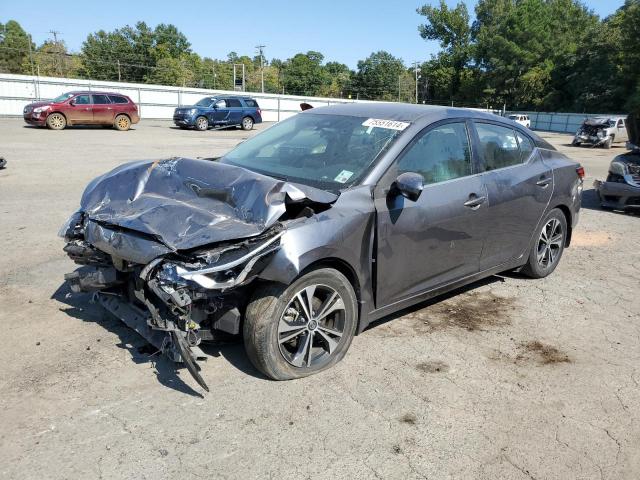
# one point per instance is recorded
(82, 100)
(442, 153)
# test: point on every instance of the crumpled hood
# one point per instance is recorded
(184, 203)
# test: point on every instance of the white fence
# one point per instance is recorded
(560, 122)
(154, 101)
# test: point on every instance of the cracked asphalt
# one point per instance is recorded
(508, 378)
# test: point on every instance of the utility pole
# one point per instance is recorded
(31, 56)
(415, 64)
(260, 49)
(55, 34)
(119, 76)
(399, 77)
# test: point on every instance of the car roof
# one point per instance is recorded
(94, 92)
(404, 112)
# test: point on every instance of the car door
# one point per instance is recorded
(102, 108)
(438, 238)
(221, 112)
(79, 110)
(236, 111)
(519, 186)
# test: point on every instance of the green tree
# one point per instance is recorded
(303, 74)
(452, 28)
(378, 76)
(15, 45)
(53, 60)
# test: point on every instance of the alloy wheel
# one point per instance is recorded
(247, 123)
(311, 326)
(56, 121)
(550, 243)
(123, 123)
(202, 123)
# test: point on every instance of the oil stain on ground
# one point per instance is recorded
(544, 354)
(472, 312)
(433, 367)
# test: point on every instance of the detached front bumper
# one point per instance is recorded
(619, 195)
(593, 140)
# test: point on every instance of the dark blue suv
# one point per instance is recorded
(219, 111)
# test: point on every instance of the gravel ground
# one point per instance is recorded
(509, 378)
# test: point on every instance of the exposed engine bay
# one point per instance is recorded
(595, 131)
(175, 268)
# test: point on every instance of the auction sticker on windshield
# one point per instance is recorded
(389, 124)
(343, 176)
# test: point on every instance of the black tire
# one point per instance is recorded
(576, 143)
(607, 143)
(247, 123)
(535, 267)
(56, 121)
(122, 122)
(202, 123)
(265, 315)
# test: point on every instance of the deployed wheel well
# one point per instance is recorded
(567, 215)
(123, 113)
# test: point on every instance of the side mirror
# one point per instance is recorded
(410, 185)
(72, 102)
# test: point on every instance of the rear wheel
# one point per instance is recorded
(247, 123)
(547, 249)
(56, 121)
(202, 123)
(302, 329)
(576, 143)
(122, 123)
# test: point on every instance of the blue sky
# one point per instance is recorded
(344, 31)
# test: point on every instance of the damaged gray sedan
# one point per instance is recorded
(303, 235)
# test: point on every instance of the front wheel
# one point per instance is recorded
(56, 121)
(202, 123)
(547, 249)
(247, 123)
(607, 143)
(302, 329)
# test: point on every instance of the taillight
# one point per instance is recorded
(259, 112)
(580, 172)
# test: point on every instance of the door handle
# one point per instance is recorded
(474, 201)
(543, 182)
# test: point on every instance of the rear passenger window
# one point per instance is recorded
(233, 103)
(118, 99)
(499, 146)
(251, 103)
(441, 154)
(100, 99)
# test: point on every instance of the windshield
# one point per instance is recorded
(205, 102)
(324, 151)
(62, 97)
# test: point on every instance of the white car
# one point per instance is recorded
(521, 119)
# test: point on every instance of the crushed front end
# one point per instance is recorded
(177, 300)
(621, 190)
(594, 132)
(170, 247)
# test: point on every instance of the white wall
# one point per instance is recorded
(154, 101)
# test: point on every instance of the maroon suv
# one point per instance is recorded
(83, 108)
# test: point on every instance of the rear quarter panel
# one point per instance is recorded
(567, 186)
